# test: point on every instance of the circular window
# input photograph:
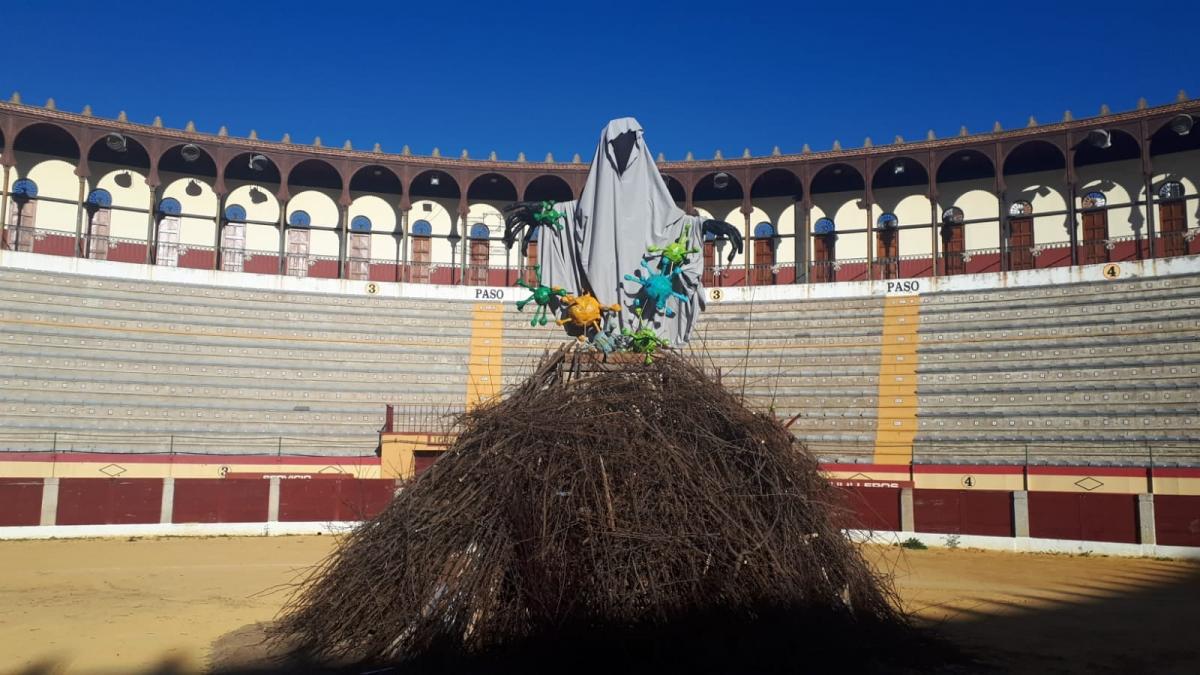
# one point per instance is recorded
(888, 221)
(1094, 200)
(25, 188)
(480, 231)
(170, 207)
(764, 230)
(360, 224)
(300, 219)
(952, 216)
(1021, 208)
(235, 213)
(422, 228)
(1171, 190)
(100, 198)
(823, 226)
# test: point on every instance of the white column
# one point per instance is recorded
(1020, 503)
(167, 510)
(273, 501)
(1146, 519)
(907, 521)
(49, 501)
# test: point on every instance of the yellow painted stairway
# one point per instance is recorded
(896, 409)
(486, 357)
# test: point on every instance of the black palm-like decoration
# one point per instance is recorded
(520, 220)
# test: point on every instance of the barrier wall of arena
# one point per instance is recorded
(1155, 523)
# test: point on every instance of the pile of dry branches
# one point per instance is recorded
(632, 500)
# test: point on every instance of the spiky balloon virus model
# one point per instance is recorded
(585, 312)
(644, 340)
(675, 253)
(659, 288)
(542, 295)
(549, 216)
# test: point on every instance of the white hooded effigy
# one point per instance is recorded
(621, 213)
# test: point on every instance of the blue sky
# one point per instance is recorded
(544, 77)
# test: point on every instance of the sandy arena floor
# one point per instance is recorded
(122, 606)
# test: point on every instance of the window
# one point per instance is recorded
(764, 230)
(1021, 208)
(22, 214)
(1171, 190)
(422, 228)
(1094, 200)
(952, 216)
(300, 219)
(824, 226)
(480, 231)
(167, 251)
(360, 224)
(233, 240)
(888, 221)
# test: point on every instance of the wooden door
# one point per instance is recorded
(1095, 234)
(297, 252)
(1172, 224)
(1020, 243)
(708, 278)
(421, 247)
(98, 234)
(952, 250)
(233, 247)
(19, 232)
(764, 260)
(824, 258)
(477, 261)
(887, 243)
(167, 253)
(359, 263)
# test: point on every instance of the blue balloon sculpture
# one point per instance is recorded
(659, 288)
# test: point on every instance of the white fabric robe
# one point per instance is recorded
(608, 229)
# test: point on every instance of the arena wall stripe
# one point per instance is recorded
(208, 500)
(986, 512)
(1177, 520)
(1086, 517)
(111, 501)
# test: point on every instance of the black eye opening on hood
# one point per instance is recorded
(622, 148)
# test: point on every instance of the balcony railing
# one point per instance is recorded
(971, 261)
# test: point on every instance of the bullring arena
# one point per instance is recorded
(989, 341)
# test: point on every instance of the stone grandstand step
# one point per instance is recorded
(270, 424)
(156, 389)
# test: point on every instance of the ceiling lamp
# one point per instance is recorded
(435, 180)
(116, 142)
(257, 162)
(1181, 124)
(1100, 138)
(190, 152)
(721, 181)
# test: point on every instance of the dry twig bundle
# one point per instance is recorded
(638, 499)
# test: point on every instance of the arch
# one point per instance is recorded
(300, 218)
(46, 139)
(479, 231)
(1094, 199)
(777, 182)
(422, 228)
(548, 187)
(1034, 156)
(133, 153)
(717, 186)
(379, 211)
(315, 173)
(319, 206)
(360, 224)
(824, 226)
(966, 164)
(899, 172)
(676, 189)
(492, 187)
(262, 170)
(1166, 140)
(764, 230)
(953, 216)
(434, 183)
(174, 161)
(837, 177)
(887, 221)
(376, 178)
(1123, 146)
(1020, 208)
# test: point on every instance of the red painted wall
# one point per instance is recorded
(216, 500)
(986, 512)
(127, 252)
(871, 508)
(1087, 516)
(986, 262)
(20, 501)
(1177, 520)
(261, 264)
(382, 272)
(109, 501)
(324, 269)
(322, 500)
(55, 244)
(197, 259)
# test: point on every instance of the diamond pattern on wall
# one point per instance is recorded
(1088, 483)
(112, 470)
